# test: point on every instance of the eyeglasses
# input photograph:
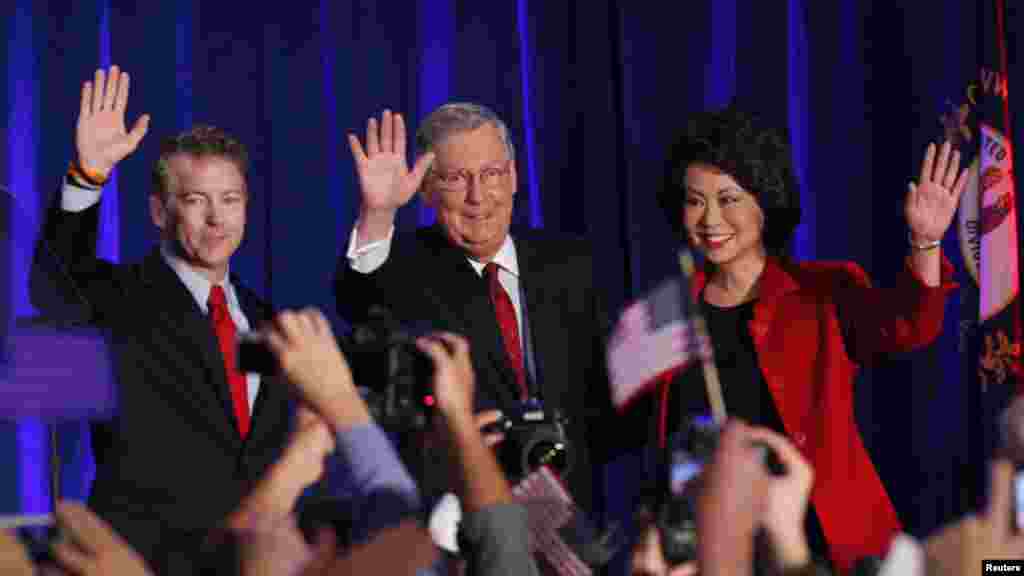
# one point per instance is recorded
(458, 180)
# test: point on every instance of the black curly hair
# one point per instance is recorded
(758, 158)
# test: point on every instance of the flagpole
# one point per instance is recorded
(712, 384)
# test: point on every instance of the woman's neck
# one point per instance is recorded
(736, 282)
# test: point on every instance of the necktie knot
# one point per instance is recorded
(491, 270)
(217, 302)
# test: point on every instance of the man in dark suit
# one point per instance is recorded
(526, 301)
(191, 432)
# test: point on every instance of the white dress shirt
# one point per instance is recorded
(76, 199)
(372, 256)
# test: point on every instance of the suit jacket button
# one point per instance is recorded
(800, 438)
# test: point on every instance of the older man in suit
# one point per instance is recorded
(191, 432)
(525, 300)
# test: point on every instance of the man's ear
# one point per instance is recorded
(157, 211)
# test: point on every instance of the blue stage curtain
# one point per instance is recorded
(592, 90)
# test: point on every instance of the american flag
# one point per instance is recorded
(549, 509)
(654, 336)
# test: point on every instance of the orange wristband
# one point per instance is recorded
(86, 176)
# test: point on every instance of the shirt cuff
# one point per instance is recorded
(368, 463)
(905, 558)
(76, 198)
(368, 258)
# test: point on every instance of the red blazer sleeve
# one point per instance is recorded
(902, 318)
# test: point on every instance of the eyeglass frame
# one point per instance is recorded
(481, 177)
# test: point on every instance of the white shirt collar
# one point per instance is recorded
(198, 285)
(505, 258)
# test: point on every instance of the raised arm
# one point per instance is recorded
(65, 270)
(385, 185)
(909, 314)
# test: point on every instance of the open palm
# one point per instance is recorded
(931, 203)
(385, 181)
(100, 136)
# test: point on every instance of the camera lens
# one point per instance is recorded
(547, 452)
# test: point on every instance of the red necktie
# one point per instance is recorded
(225, 330)
(506, 315)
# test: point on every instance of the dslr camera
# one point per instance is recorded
(393, 375)
(688, 452)
(534, 437)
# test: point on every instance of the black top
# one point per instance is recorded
(743, 385)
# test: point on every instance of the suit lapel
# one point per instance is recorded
(463, 294)
(192, 331)
(543, 312)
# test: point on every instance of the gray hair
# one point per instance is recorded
(458, 117)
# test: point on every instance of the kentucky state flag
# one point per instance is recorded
(989, 232)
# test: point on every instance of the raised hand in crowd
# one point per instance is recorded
(301, 465)
(455, 389)
(309, 358)
(786, 502)
(730, 505)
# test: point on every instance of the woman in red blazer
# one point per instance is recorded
(789, 337)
